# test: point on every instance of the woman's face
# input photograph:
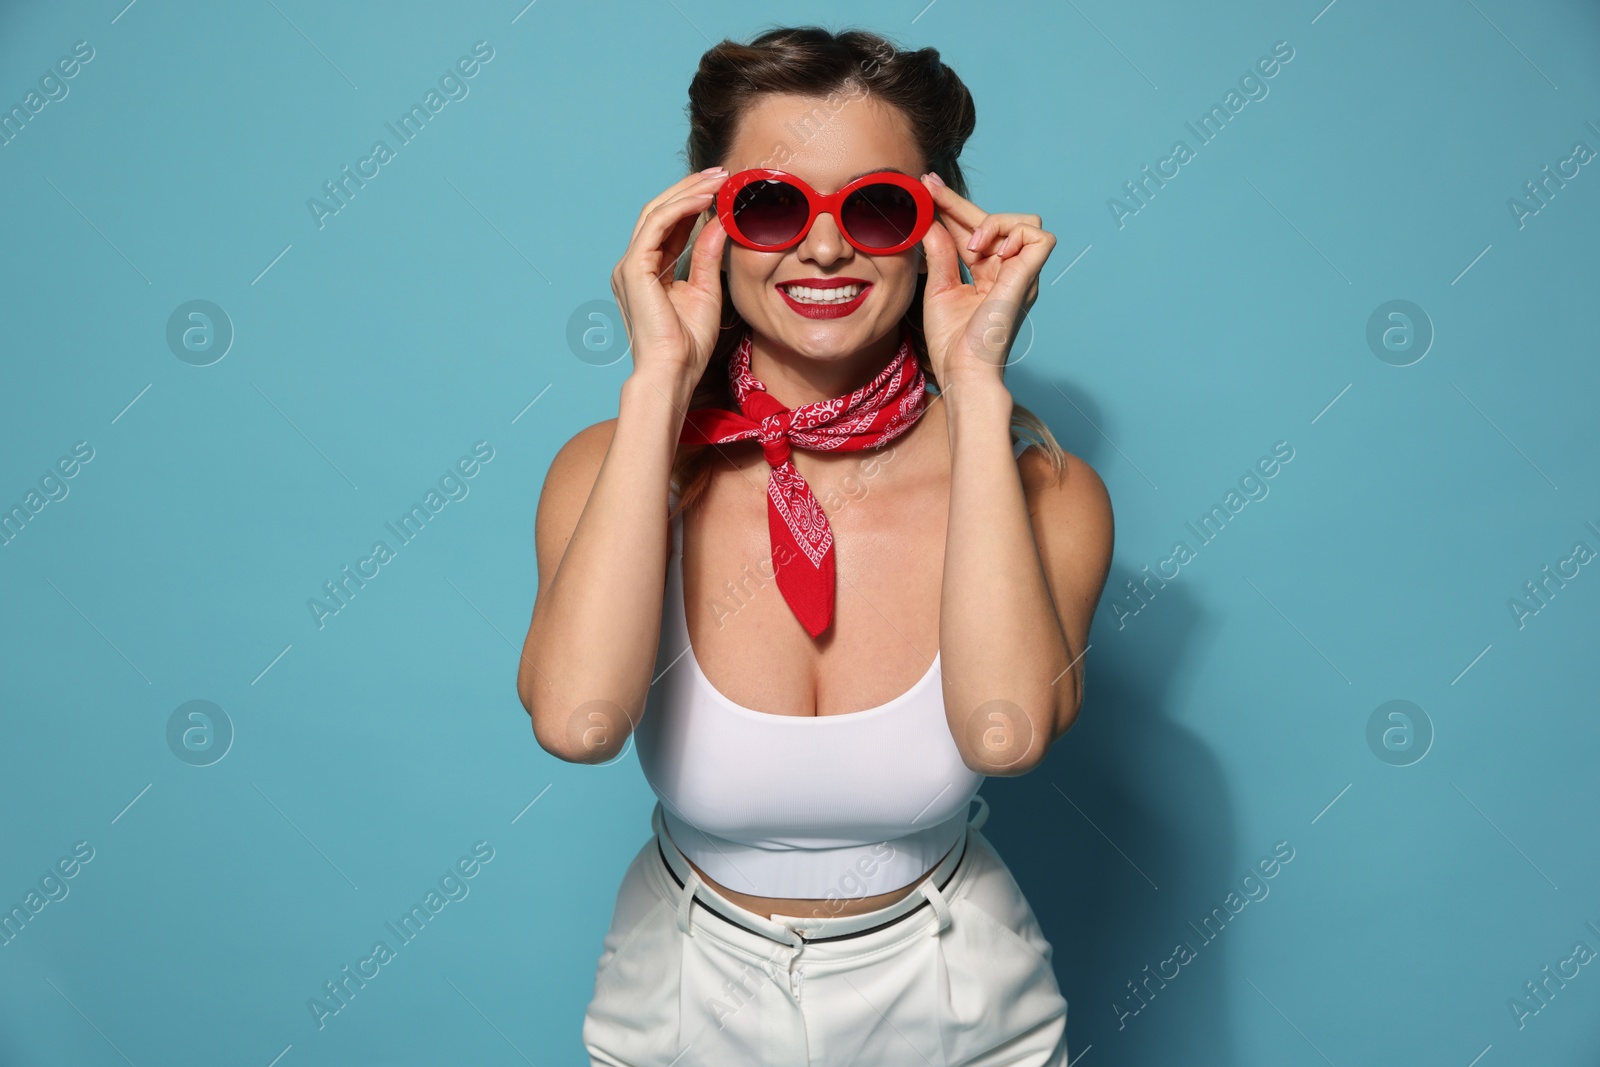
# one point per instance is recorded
(827, 143)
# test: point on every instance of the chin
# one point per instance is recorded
(826, 340)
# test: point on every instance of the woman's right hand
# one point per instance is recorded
(672, 325)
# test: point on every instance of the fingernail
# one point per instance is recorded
(935, 179)
(972, 242)
(715, 170)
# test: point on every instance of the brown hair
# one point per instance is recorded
(814, 62)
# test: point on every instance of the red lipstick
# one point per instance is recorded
(825, 311)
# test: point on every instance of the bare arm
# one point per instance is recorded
(601, 542)
(601, 532)
(1025, 559)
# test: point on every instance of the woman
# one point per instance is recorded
(866, 598)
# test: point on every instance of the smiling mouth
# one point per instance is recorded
(840, 294)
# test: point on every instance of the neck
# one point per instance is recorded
(793, 379)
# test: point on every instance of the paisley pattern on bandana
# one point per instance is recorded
(868, 417)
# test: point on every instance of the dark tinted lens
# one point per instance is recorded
(879, 216)
(770, 212)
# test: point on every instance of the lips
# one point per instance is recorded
(820, 298)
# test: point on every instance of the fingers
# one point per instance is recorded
(999, 234)
(944, 270)
(672, 245)
(977, 233)
(705, 262)
(665, 228)
(967, 214)
(1018, 275)
(672, 191)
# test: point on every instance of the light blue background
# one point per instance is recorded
(1228, 715)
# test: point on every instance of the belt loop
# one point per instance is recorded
(940, 908)
(983, 813)
(686, 899)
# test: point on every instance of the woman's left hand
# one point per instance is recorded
(970, 327)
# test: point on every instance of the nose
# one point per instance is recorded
(824, 245)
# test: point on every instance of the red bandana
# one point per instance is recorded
(873, 415)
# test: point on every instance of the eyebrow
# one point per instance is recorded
(878, 170)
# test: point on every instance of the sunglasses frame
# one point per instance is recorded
(825, 203)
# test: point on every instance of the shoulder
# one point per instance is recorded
(577, 464)
(566, 490)
(1075, 502)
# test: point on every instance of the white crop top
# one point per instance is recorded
(832, 806)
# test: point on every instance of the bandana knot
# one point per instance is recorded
(774, 438)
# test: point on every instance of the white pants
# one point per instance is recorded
(956, 974)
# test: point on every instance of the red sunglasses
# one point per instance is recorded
(879, 214)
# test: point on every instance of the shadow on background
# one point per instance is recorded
(1127, 751)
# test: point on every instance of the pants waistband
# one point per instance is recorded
(799, 930)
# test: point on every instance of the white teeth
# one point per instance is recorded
(842, 294)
